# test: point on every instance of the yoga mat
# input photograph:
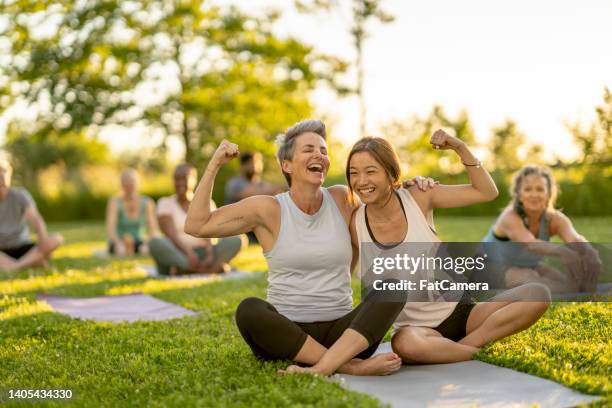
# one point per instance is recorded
(151, 270)
(465, 384)
(122, 308)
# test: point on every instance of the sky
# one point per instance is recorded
(541, 63)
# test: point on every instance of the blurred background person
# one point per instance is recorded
(531, 218)
(178, 252)
(249, 182)
(127, 216)
(17, 210)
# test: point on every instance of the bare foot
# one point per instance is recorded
(295, 369)
(380, 364)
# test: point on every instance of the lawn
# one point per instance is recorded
(202, 361)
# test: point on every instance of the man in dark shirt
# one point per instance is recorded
(249, 182)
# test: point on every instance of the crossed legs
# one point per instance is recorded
(505, 314)
(34, 257)
(344, 345)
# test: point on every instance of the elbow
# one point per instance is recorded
(493, 194)
(490, 194)
(195, 229)
(191, 229)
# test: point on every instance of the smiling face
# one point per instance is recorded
(185, 180)
(368, 178)
(310, 161)
(534, 194)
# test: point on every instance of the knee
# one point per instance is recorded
(392, 293)
(409, 346)
(58, 239)
(156, 244)
(248, 311)
(539, 293)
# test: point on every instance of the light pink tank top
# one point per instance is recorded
(423, 314)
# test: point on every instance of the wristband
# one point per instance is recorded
(478, 164)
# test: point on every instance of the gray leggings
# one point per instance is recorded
(166, 254)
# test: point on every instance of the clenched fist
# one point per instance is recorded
(442, 140)
(224, 153)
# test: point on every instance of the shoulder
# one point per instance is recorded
(164, 204)
(557, 219)
(22, 195)
(421, 197)
(509, 217)
(113, 201)
(261, 201)
(148, 201)
(264, 206)
(342, 194)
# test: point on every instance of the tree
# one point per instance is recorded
(506, 142)
(193, 71)
(595, 142)
(412, 140)
(363, 11)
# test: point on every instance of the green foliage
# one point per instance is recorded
(31, 154)
(411, 139)
(510, 150)
(595, 141)
(194, 71)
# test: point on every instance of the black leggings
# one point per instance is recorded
(272, 336)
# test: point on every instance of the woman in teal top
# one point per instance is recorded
(532, 219)
(126, 217)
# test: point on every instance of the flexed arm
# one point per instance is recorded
(228, 220)
(481, 188)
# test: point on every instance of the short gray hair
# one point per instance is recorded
(286, 142)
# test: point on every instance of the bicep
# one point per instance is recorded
(454, 196)
(233, 219)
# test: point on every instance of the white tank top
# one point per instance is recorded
(423, 314)
(309, 278)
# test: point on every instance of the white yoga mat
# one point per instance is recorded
(122, 308)
(151, 270)
(466, 384)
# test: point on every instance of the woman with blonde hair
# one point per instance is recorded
(436, 330)
(127, 215)
(531, 219)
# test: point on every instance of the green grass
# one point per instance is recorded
(202, 361)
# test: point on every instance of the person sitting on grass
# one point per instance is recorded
(308, 316)
(181, 253)
(126, 217)
(17, 209)
(437, 330)
(531, 218)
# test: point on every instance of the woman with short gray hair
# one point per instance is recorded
(308, 316)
